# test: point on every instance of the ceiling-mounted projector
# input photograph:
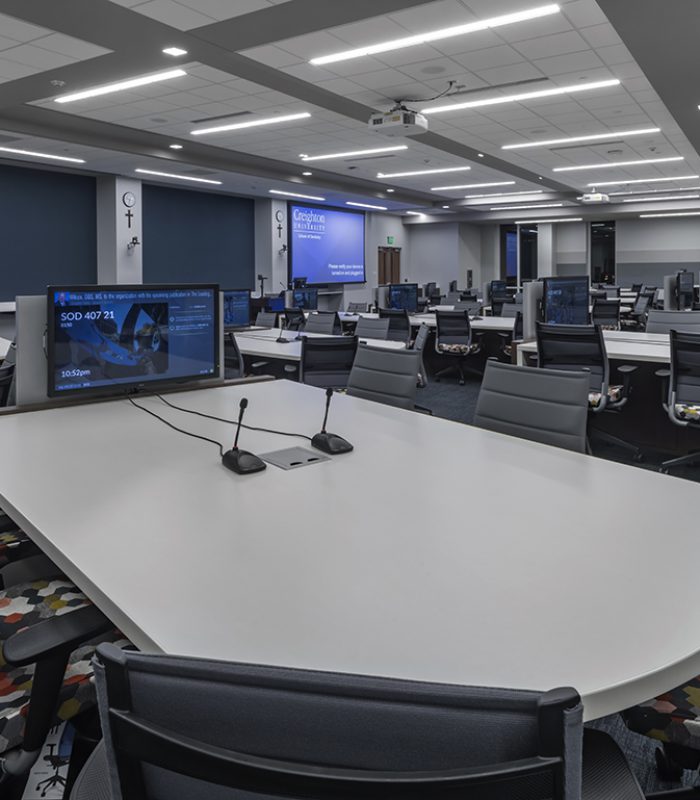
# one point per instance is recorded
(594, 197)
(400, 121)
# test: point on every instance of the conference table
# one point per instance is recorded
(264, 344)
(544, 582)
(622, 346)
(416, 320)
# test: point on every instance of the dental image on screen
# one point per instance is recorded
(102, 338)
(327, 246)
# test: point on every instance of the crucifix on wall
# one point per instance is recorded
(129, 215)
(279, 231)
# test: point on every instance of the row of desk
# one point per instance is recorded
(623, 346)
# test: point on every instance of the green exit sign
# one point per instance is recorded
(390, 240)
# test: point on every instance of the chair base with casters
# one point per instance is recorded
(461, 353)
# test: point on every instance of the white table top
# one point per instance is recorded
(626, 346)
(480, 324)
(263, 344)
(4, 347)
(7, 308)
(550, 588)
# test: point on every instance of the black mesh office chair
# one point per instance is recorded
(326, 362)
(266, 319)
(273, 732)
(606, 313)
(454, 338)
(385, 376)
(399, 324)
(372, 328)
(419, 344)
(582, 347)
(636, 319)
(233, 359)
(357, 308)
(6, 376)
(472, 307)
(294, 319)
(322, 323)
(507, 337)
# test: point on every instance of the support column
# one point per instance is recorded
(546, 250)
(271, 253)
(119, 221)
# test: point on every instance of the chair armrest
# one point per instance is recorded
(663, 373)
(606, 773)
(627, 369)
(32, 568)
(55, 635)
(423, 410)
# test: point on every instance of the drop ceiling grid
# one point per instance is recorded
(188, 14)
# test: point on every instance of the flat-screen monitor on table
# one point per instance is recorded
(122, 339)
(274, 304)
(685, 289)
(306, 299)
(403, 296)
(566, 301)
(499, 290)
(236, 308)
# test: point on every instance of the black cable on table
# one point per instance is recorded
(175, 428)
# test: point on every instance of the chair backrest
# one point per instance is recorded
(598, 294)
(357, 308)
(472, 307)
(575, 348)
(453, 327)
(685, 368)
(606, 313)
(421, 338)
(666, 321)
(185, 727)
(399, 324)
(386, 376)
(637, 287)
(7, 372)
(452, 298)
(612, 292)
(327, 362)
(320, 323)
(372, 328)
(266, 319)
(544, 405)
(518, 328)
(233, 359)
(641, 305)
(511, 310)
(294, 319)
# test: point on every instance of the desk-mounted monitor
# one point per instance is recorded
(566, 300)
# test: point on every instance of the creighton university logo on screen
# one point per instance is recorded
(328, 246)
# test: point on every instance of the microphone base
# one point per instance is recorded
(331, 444)
(242, 462)
(282, 340)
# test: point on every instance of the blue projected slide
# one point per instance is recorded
(110, 337)
(327, 246)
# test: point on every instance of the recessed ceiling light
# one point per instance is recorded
(175, 146)
(656, 191)
(415, 214)
(644, 180)
(174, 51)
(307, 174)
(659, 199)
(421, 172)
(524, 194)
(121, 86)
(294, 194)
(546, 221)
(445, 206)
(254, 123)
(350, 153)
(366, 205)
(471, 186)
(178, 177)
(527, 208)
(34, 154)
(518, 98)
(480, 155)
(391, 191)
(671, 214)
(609, 164)
(434, 36)
(596, 137)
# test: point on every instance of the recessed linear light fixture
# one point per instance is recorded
(518, 98)
(351, 153)
(422, 172)
(366, 205)
(307, 174)
(390, 191)
(253, 123)
(121, 86)
(659, 199)
(437, 35)
(33, 154)
(472, 186)
(671, 214)
(298, 196)
(526, 208)
(596, 137)
(175, 146)
(645, 180)
(415, 214)
(655, 191)
(178, 177)
(547, 221)
(525, 195)
(610, 164)
(174, 51)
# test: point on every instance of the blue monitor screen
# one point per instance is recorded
(236, 308)
(566, 301)
(327, 246)
(275, 304)
(103, 338)
(403, 296)
(306, 299)
(499, 289)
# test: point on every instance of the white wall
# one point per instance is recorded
(490, 254)
(571, 248)
(649, 249)
(270, 236)
(117, 224)
(378, 227)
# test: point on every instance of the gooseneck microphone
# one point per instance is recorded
(281, 338)
(329, 442)
(241, 461)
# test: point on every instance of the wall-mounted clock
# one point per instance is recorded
(129, 199)
(279, 216)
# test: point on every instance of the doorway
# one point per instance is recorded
(389, 265)
(603, 252)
